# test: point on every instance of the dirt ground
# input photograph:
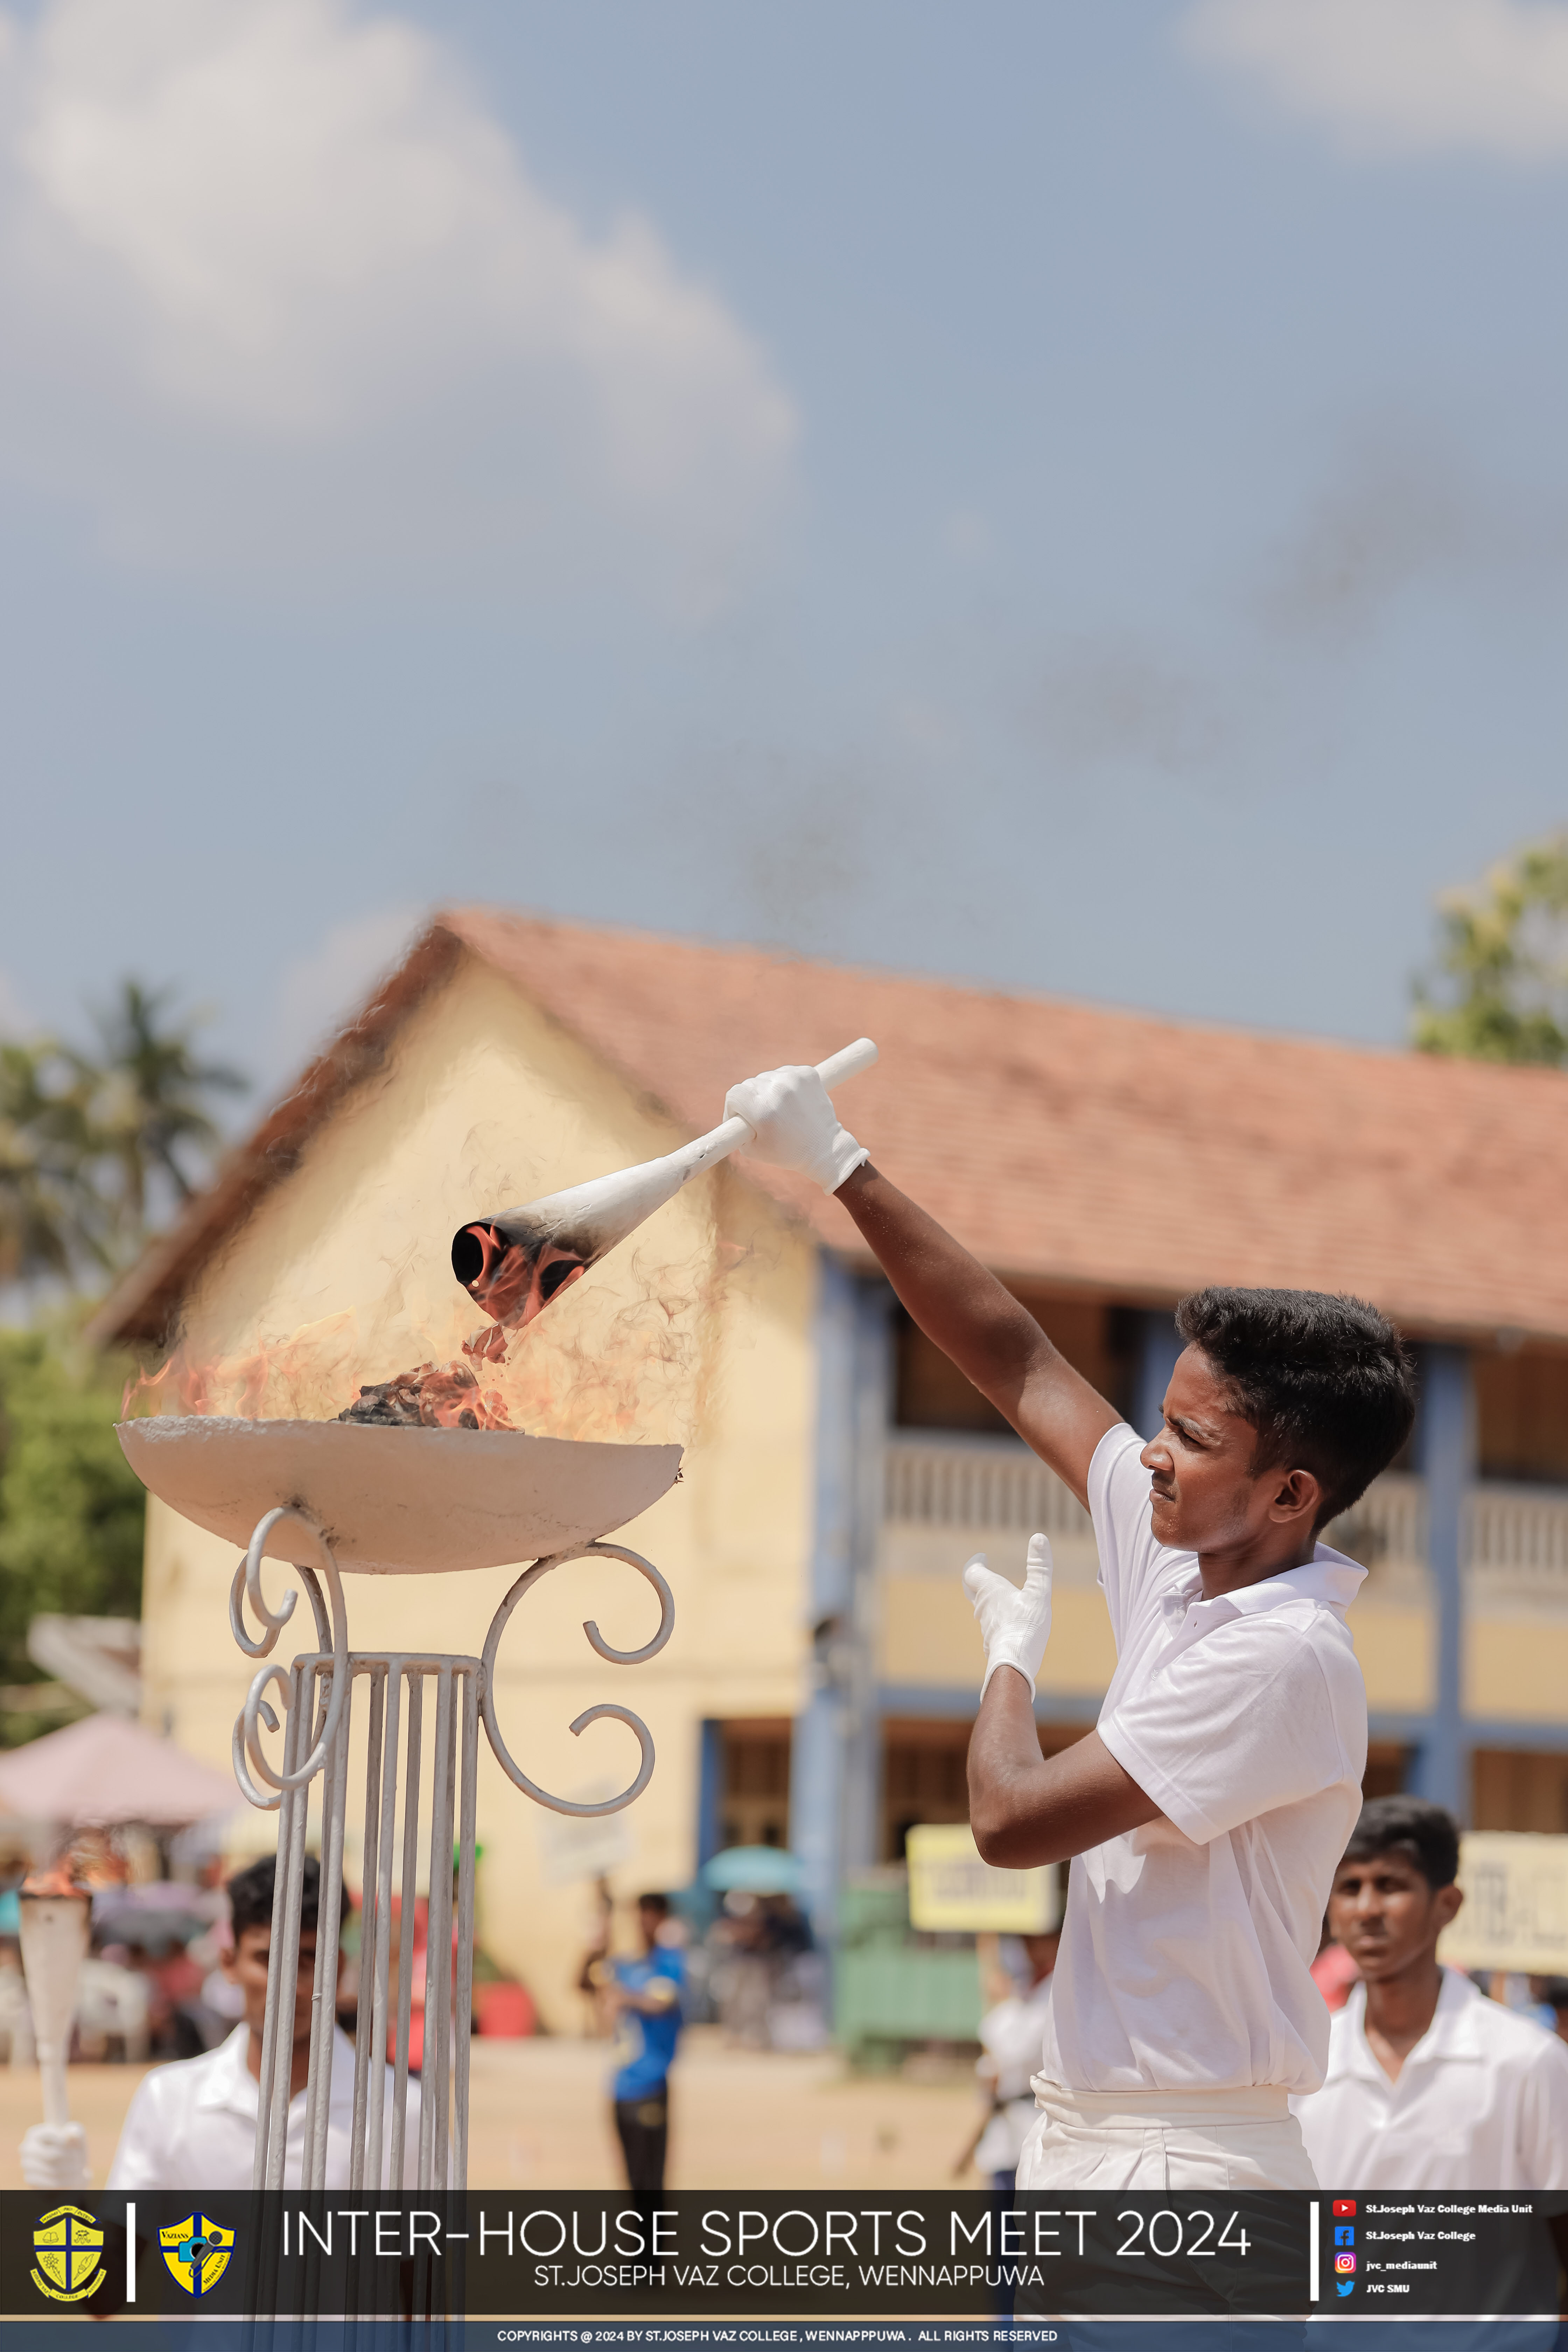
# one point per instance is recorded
(739, 2119)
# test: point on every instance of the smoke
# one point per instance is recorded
(1118, 704)
(1398, 512)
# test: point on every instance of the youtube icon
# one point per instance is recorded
(1344, 2205)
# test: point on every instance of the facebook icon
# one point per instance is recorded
(1345, 2236)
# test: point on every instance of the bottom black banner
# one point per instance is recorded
(812, 2260)
(1325, 2335)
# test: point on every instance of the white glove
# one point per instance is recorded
(1013, 1625)
(795, 1125)
(53, 2156)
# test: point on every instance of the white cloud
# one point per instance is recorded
(1476, 77)
(317, 991)
(273, 279)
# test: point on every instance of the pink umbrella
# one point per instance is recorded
(106, 1770)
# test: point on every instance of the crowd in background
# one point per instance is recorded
(159, 1985)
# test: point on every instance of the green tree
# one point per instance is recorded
(45, 1218)
(145, 1096)
(92, 1143)
(71, 1509)
(1498, 988)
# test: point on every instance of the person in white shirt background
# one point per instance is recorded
(1430, 2085)
(191, 2126)
(1206, 1811)
(1011, 2036)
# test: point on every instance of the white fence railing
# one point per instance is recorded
(955, 1482)
(1387, 1526)
(1516, 1538)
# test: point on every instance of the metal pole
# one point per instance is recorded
(269, 2013)
(285, 1956)
(405, 1923)
(273, 2022)
(367, 1918)
(328, 1930)
(376, 2059)
(464, 1987)
(433, 2084)
(443, 2151)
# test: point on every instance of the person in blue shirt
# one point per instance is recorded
(644, 1996)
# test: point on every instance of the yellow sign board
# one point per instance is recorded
(952, 1891)
(1516, 1905)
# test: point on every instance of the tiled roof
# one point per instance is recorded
(1063, 1142)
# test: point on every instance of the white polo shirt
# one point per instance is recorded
(193, 2125)
(1010, 2035)
(1187, 1945)
(1482, 2103)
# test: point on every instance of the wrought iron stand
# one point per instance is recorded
(317, 1695)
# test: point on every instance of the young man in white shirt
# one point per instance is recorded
(1205, 1813)
(192, 2125)
(1430, 2085)
(1010, 2038)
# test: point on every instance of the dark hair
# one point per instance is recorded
(1328, 1383)
(250, 1893)
(659, 1903)
(1424, 1833)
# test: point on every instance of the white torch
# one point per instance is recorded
(55, 1914)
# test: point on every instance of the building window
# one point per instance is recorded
(924, 1779)
(1521, 1414)
(925, 1773)
(1097, 1340)
(753, 1782)
(1387, 1762)
(1519, 1788)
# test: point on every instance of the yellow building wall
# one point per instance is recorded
(483, 1103)
(929, 1641)
(1516, 1667)
(1397, 1647)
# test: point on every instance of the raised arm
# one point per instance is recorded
(994, 1342)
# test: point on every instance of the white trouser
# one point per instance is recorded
(1163, 2139)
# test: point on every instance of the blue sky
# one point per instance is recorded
(1070, 497)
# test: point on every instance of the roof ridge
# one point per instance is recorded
(1110, 1009)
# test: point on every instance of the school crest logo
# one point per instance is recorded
(197, 2252)
(69, 2245)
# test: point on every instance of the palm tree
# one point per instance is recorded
(47, 1218)
(146, 1097)
(87, 1139)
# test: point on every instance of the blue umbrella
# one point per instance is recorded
(753, 1870)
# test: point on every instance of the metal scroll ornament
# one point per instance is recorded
(400, 2136)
